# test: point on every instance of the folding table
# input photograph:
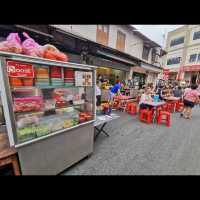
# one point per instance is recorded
(103, 120)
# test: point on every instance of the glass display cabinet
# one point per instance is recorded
(47, 104)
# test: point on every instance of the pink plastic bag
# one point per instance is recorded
(12, 44)
(30, 47)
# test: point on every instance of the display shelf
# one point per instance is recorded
(53, 134)
(42, 87)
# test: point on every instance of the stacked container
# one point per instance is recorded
(56, 76)
(68, 77)
(42, 76)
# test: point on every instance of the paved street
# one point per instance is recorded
(135, 148)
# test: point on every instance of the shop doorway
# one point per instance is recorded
(194, 78)
(111, 74)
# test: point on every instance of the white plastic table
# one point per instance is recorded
(103, 120)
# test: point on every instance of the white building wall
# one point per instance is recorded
(85, 31)
(133, 44)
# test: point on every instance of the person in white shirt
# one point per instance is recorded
(146, 97)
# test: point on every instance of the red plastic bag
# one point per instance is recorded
(30, 47)
(12, 44)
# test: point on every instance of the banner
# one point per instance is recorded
(17, 69)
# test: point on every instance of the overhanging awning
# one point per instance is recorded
(116, 57)
(151, 68)
(191, 68)
(139, 70)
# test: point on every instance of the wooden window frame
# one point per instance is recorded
(119, 46)
(102, 37)
(145, 48)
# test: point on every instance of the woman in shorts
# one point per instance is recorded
(190, 99)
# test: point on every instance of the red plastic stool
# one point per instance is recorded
(166, 119)
(146, 115)
(131, 108)
(179, 106)
(170, 107)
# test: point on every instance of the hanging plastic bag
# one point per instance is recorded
(30, 47)
(52, 53)
(12, 44)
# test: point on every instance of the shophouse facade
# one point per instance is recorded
(183, 58)
(127, 40)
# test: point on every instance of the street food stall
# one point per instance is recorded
(49, 111)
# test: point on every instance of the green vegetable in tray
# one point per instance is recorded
(42, 130)
(26, 133)
(75, 122)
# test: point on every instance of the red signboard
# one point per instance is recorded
(166, 71)
(18, 69)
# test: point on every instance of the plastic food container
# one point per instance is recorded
(28, 104)
(16, 82)
(68, 73)
(28, 81)
(81, 119)
(68, 123)
(56, 72)
(88, 117)
(42, 72)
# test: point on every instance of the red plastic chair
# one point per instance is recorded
(158, 110)
(131, 108)
(166, 119)
(146, 115)
(115, 104)
(164, 107)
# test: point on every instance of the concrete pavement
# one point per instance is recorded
(135, 148)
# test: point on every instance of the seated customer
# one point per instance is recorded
(146, 97)
(159, 92)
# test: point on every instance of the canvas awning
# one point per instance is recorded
(191, 68)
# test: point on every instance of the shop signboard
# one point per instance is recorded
(166, 74)
(17, 69)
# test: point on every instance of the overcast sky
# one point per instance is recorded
(156, 32)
